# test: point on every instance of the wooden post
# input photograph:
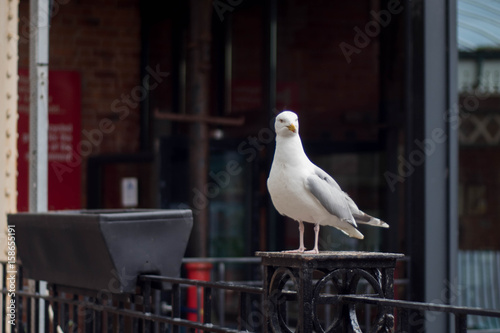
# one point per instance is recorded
(199, 118)
(198, 105)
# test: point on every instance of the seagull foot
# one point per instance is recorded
(313, 251)
(299, 250)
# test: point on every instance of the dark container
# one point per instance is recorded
(101, 250)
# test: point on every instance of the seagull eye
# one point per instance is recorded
(281, 120)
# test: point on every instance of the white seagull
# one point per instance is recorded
(302, 191)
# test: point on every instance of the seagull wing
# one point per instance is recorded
(324, 188)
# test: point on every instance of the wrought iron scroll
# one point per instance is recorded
(291, 279)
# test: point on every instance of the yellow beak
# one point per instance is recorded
(292, 128)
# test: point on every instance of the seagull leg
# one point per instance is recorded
(301, 248)
(301, 232)
(316, 236)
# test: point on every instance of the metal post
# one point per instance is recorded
(432, 188)
(269, 102)
(452, 156)
(39, 88)
(39, 120)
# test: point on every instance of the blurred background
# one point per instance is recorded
(170, 104)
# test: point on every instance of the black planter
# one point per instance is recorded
(101, 250)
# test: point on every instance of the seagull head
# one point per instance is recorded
(287, 124)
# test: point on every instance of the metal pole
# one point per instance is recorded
(39, 120)
(433, 224)
(269, 84)
(39, 80)
(453, 153)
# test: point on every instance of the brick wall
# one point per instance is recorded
(479, 196)
(336, 96)
(100, 40)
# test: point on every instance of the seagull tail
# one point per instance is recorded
(350, 231)
(370, 220)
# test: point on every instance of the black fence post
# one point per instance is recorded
(207, 305)
(146, 294)
(460, 323)
(176, 305)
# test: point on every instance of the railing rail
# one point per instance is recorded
(460, 312)
(409, 305)
(148, 317)
(156, 309)
(208, 291)
(205, 284)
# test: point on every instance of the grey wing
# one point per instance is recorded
(324, 188)
(326, 177)
(352, 206)
(356, 213)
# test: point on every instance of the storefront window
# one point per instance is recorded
(479, 135)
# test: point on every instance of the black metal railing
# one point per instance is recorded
(404, 310)
(247, 298)
(161, 304)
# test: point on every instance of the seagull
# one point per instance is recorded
(304, 192)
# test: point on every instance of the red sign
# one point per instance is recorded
(64, 174)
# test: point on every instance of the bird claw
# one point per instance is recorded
(303, 250)
(299, 250)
